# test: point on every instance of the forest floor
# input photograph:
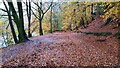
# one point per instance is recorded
(66, 49)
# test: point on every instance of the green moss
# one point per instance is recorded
(98, 34)
(103, 34)
(117, 35)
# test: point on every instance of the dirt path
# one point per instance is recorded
(64, 49)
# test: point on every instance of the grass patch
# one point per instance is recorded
(98, 34)
(117, 35)
(103, 34)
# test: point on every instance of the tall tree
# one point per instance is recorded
(19, 21)
(28, 9)
(51, 19)
(10, 22)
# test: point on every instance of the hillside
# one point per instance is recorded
(66, 48)
(97, 25)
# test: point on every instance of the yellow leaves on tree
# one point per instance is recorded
(73, 12)
(114, 10)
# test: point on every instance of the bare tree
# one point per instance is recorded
(41, 14)
(10, 22)
(28, 9)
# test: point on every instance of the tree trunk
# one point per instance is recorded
(12, 29)
(19, 21)
(29, 19)
(118, 8)
(51, 21)
(28, 8)
(22, 35)
(11, 24)
(70, 26)
(40, 28)
(56, 24)
(92, 9)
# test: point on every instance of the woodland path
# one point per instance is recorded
(66, 48)
(63, 49)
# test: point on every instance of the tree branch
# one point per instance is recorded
(3, 15)
(39, 7)
(48, 8)
(109, 7)
(35, 8)
(3, 10)
(35, 14)
(34, 28)
(7, 26)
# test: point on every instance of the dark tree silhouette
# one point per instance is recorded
(19, 21)
(10, 22)
(28, 9)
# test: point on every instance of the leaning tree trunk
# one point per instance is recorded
(11, 24)
(12, 28)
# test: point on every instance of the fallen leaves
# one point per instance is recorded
(64, 49)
